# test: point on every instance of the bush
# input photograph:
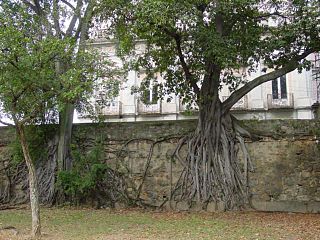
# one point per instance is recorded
(81, 182)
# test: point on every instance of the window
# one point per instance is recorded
(150, 96)
(279, 88)
(111, 103)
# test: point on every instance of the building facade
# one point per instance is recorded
(293, 96)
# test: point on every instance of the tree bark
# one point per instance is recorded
(33, 184)
(212, 170)
(66, 116)
(65, 131)
(290, 66)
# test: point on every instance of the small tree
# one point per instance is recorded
(31, 90)
(63, 19)
(199, 46)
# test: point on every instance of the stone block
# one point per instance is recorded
(215, 207)
(303, 198)
(259, 205)
(119, 205)
(182, 206)
(313, 207)
(169, 205)
(286, 206)
(197, 207)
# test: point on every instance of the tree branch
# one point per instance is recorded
(202, 6)
(5, 123)
(25, 120)
(16, 97)
(56, 18)
(289, 67)
(185, 67)
(75, 17)
(35, 6)
(68, 4)
(29, 4)
(84, 23)
(38, 8)
(78, 31)
(14, 64)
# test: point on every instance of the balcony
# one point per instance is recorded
(241, 105)
(149, 108)
(100, 33)
(316, 62)
(110, 108)
(184, 108)
(280, 103)
(316, 77)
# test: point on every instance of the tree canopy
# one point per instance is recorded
(188, 40)
(30, 85)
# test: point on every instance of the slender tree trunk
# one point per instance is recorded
(65, 131)
(33, 184)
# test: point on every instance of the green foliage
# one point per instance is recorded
(187, 41)
(79, 183)
(39, 72)
(16, 152)
(37, 138)
(29, 85)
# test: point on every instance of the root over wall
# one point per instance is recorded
(286, 163)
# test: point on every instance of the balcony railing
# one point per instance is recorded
(184, 107)
(149, 108)
(110, 108)
(242, 104)
(316, 77)
(99, 33)
(280, 102)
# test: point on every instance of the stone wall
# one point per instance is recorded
(286, 173)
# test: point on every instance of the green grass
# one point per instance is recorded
(137, 224)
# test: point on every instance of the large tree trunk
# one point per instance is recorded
(66, 116)
(65, 131)
(33, 184)
(46, 173)
(212, 171)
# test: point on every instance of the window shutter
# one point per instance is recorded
(275, 94)
(155, 94)
(146, 96)
(283, 87)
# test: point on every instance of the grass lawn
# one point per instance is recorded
(78, 224)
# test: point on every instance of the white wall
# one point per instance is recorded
(298, 84)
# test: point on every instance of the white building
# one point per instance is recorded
(289, 97)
